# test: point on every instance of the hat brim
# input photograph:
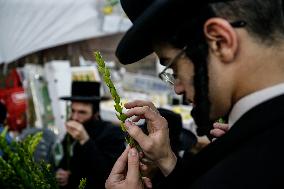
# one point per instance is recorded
(84, 99)
(159, 20)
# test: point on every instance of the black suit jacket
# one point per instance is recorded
(95, 159)
(248, 156)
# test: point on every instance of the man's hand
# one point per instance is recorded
(156, 145)
(77, 131)
(62, 177)
(125, 172)
(219, 129)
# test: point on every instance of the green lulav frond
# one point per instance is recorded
(104, 71)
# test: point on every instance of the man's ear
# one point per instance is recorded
(222, 38)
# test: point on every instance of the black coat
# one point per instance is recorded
(95, 159)
(249, 156)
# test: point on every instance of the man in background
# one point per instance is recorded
(91, 145)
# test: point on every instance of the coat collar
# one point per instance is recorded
(256, 121)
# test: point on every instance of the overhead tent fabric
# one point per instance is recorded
(27, 26)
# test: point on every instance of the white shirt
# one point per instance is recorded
(250, 101)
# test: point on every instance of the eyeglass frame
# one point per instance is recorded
(167, 77)
(170, 78)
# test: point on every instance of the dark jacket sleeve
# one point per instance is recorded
(172, 180)
(94, 159)
(104, 151)
(99, 155)
(181, 177)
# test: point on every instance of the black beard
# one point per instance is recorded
(200, 112)
(201, 118)
(91, 122)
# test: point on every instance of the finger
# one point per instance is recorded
(147, 161)
(140, 103)
(141, 155)
(72, 123)
(147, 182)
(72, 126)
(135, 132)
(69, 130)
(133, 173)
(143, 167)
(222, 126)
(121, 162)
(217, 132)
(137, 118)
(144, 111)
(73, 132)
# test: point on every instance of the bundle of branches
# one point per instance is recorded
(18, 168)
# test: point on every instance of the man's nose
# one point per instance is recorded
(178, 88)
(75, 116)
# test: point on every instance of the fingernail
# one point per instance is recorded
(127, 124)
(133, 152)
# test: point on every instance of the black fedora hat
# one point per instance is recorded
(153, 20)
(84, 91)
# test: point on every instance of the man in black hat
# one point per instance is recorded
(227, 60)
(91, 145)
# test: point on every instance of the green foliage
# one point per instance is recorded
(221, 120)
(18, 168)
(104, 71)
(83, 183)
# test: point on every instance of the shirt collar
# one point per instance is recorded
(248, 102)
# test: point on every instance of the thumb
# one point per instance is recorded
(133, 173)
(135, 132)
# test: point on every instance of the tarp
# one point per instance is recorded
(27, 26)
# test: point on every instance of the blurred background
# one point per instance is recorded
(45, 45)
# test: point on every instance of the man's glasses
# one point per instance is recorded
(167, 74)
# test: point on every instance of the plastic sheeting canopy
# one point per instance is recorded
(27, 26)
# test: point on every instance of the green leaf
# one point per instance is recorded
(101, 70)
(122, 126)
(107, 73)
(83, 183)
(221, 120)
(34, 141)
(99, 59)
(118, 108)
(113, 93)
(118, 116)
(116, 99)
(18, 168)
(4, 132)
(123, 117)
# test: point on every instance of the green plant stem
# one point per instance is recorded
(104, 71)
